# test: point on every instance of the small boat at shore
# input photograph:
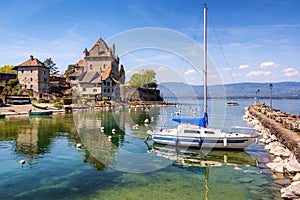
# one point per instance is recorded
(232, 103)
(39, 105)
(40, 112)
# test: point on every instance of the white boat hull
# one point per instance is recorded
(218, 140)
(215, 143)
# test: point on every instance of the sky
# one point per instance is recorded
(248, 41)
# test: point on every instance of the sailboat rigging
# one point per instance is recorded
(193, 132)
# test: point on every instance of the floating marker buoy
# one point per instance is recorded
(22, 162)
(113, 130)
(109, 137)
(152, 118)
(78, 146)
(146, 121)
(135, 126)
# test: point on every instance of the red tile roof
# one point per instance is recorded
(106, 73)
(31, 62)
(81, 63)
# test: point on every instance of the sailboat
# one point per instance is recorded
(194, 133)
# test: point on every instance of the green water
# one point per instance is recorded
(123, 167)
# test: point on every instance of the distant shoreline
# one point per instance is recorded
(231, 97)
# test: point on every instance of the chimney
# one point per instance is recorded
(31, 57)
(114, 49)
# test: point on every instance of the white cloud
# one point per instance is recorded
(243, 66)
(190, 71)
(227, 68)
(235, 75)
(290, 72)
(268, 65)
(162, 69)
(259, 73)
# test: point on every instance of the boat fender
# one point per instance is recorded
(256, 140)
(225, 142)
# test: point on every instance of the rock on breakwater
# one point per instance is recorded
(283, 143)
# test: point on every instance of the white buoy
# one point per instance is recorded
(135, 126)
(22, 162)
(102, 129)
(146, 121)
(152, 119)
(113, 131)
(109, 137)
(78, 146)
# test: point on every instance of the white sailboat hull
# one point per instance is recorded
(197, 137)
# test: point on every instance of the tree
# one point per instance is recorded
(49, 63)
(143, 78)
(122, 74)
(70, 70)
(7, 69)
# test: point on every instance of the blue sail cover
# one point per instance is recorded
(200, 121)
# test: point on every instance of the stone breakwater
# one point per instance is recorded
(283, 143)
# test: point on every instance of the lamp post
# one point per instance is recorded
(257, 99)
(271, 87)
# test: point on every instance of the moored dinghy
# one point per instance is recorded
(40, 112)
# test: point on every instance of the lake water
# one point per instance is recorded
(124, 167)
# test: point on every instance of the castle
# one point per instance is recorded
(96, 76)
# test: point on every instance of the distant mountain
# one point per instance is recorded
(236, 90)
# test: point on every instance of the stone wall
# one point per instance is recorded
(288, 138)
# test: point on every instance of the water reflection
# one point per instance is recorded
(201, 157)
(34, 135)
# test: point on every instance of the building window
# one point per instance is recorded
(31, 86)
(30, 71)
(84, 89)
(25, 86)
(30, 79)
(44, 72)
(104, 66)
(112, 90)
(22, 71)
(104, 83)
(108, 90)
(104, 90)
(45, 79)
(91, 66)
(108, 83)
(94, 90)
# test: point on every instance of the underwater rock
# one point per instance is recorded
(292, 191)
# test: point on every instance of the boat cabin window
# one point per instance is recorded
(191, 131)
(209, 132)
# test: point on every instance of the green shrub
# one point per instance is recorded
(12, 82)
(58, 105)
(104, 98)
(41, 100)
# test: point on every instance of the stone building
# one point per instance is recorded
(97, 75)
(33, 75)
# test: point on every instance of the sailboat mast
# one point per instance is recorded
(205, 58)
